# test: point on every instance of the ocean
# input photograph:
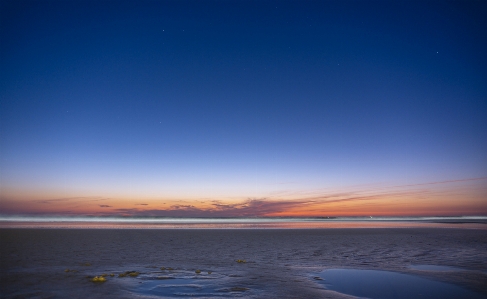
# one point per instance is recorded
(477, 222)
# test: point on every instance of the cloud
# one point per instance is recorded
(261, 207)
(444, 182)
(70, 199)
(393, 199)
(50, 201)
(247, 208)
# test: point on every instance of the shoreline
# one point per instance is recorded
(245, 225)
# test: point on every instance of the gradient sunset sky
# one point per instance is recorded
(243, 108)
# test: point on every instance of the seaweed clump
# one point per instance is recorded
(98, 279)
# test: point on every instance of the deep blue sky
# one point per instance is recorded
(239, 98)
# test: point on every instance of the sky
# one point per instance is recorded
(243, 108)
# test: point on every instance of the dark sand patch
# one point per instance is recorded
(278, 262)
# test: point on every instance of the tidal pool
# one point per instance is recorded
(185, 284)
(178, 287)
(376, 284)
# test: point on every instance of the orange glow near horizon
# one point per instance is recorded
(450, 198)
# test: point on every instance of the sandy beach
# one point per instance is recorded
(279, 263)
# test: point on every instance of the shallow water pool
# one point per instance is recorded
(178, 288)
(376, 284)
(186, 284)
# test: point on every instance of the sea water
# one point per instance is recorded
(475, 222)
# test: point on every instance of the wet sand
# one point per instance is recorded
(279, 263)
